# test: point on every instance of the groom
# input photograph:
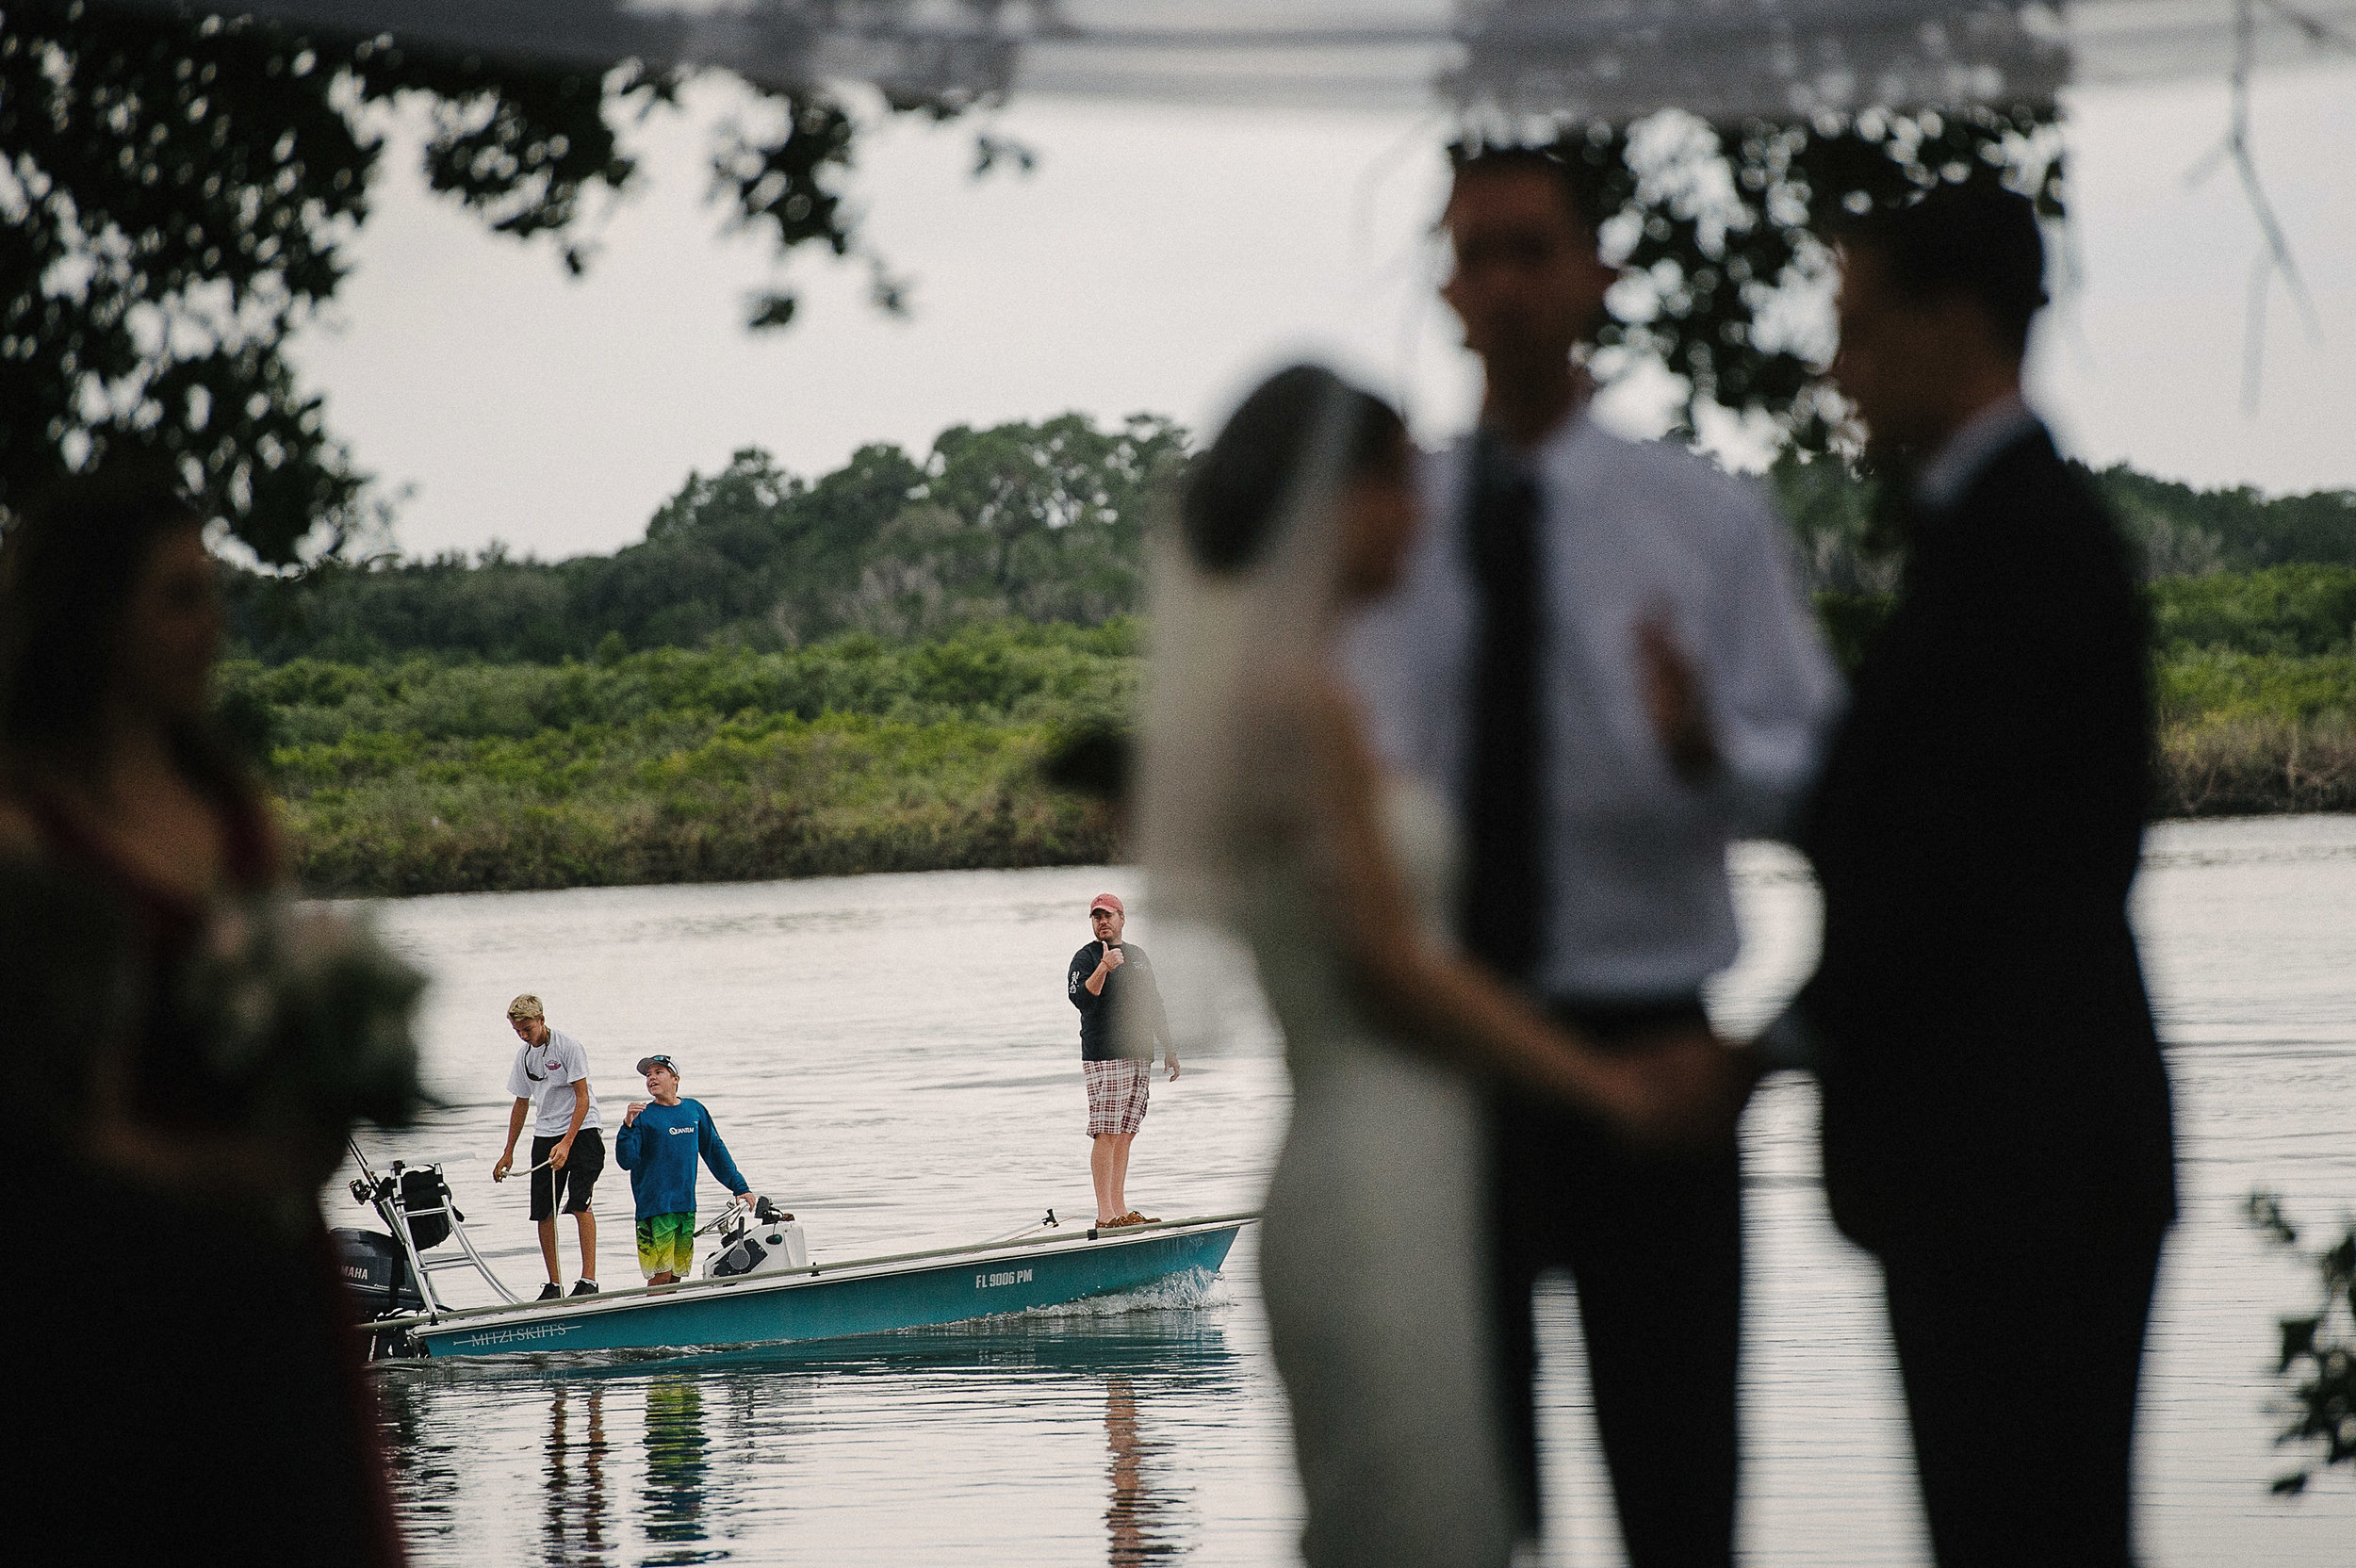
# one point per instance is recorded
(1529, 665)
(1996, 1121)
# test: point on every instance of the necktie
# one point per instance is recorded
(1503, 912)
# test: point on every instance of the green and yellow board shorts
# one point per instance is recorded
(666, 1242)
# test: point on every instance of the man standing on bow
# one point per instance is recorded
(1996, 1118)
(1121, 1021)
(1599, 655)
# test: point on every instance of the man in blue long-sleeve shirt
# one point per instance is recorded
(658, 1143)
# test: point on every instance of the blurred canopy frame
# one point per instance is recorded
(1607, 60)
(1789, 111)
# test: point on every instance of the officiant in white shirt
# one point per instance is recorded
(1599, 655)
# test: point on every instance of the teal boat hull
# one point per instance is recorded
(834, 1300)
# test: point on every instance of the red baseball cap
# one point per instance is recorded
(1107, 900)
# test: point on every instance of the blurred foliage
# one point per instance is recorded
(679, 799)
(2297, 610)
(2174, 529)
(1048, 521)
(1004, 673)
(2316, 1362)
(2213, 685)
(929, 660)
(2188, 533)
(1715, 230)
(1042, 521)
(2242, 733)
(179, 185)
(990, 746)
(2257, 764)
(2253, 684)
(1849, 622)
(1832, 510)
(428, 775)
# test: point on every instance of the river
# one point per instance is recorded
(892, 1057)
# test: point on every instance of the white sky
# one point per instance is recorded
(1159, 258)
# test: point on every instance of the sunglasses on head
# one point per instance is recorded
(653, 1062)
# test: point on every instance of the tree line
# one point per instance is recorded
(1043, 522)
(1047, 522)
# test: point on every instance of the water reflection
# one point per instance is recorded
(573, 1523)
(672, 1502)
(1008, 1444)
(1107, 1423)
(428, 1484)
(1129, 1522)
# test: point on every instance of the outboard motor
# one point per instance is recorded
(387, 1270)
(375, 1266)
(377, 1272)
(773, 1241)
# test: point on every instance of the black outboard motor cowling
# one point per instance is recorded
(377, 1273)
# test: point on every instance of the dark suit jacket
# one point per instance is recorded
(1987, 1060)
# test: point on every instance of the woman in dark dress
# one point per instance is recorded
(185, 1360)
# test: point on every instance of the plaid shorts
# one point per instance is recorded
(1117, 1095)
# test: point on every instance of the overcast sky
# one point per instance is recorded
(1158, 258)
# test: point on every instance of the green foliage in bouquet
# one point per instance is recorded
(308, 1013)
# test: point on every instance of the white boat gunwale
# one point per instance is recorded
(637, 1297)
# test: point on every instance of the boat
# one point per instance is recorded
(759, 1286)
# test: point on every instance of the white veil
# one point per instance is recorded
(1223, 648)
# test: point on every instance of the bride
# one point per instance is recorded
(1263, 813)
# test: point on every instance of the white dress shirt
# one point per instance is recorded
(1638, 901)
(1971, 448)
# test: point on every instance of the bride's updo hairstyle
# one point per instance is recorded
(1236, 491)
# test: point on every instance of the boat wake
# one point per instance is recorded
(1184, 1291)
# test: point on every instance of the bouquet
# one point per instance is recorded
(306, 1014)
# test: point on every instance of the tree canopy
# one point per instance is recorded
(180, 187)
(1041, 521)
(1716, 230)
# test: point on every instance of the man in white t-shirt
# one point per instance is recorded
(550, 1082)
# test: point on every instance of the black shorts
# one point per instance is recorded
(583, 1168)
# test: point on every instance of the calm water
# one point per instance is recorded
(892, 1057)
